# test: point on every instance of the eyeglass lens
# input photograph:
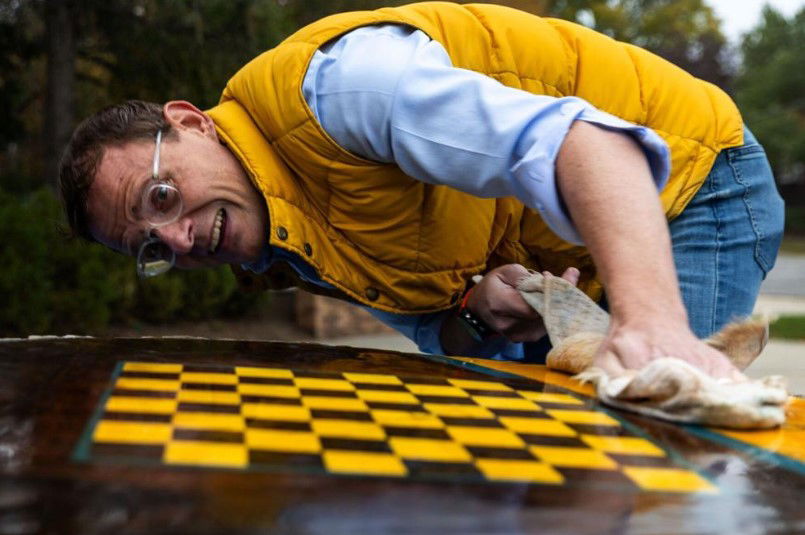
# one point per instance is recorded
(162, 204)
(154, 258)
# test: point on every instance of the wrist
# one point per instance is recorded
(636, 307)
(647, 321)
(475, 327)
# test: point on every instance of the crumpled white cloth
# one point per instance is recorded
(667, 388)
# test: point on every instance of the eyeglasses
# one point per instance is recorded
(160, 205)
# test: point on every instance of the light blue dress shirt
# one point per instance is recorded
(390, 94)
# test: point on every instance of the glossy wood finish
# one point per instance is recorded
(50, 389)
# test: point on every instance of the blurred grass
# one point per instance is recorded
(788, 327)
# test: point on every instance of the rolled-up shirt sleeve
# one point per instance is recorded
(406, 103)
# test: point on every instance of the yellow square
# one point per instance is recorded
(133, 383)
(583, 417)
(209, 378)
(382, 396)
(272, 391)
(317, 383)
(449, 410)
(348, 429)
(517, 470)
(373, 378)
(519, 404)
(473, 384)
(141, 405)
(537, 426)
(206, 453)
(437, 390)
(334, 404)
(625, 445)
(574, 457)
(422, 420)
(550, 397)
(209, 421)
(132, 432)
(275, 411)
(668, 479)
(426, 449)
(485, 436)
(363, 462)
(280, 440)
(152, 367)
(213, 397)
(274, 373)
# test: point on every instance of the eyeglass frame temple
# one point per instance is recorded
(155, 170)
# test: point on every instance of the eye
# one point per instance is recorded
(162, 203)
(162, 197)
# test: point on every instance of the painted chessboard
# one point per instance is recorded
(362, 424)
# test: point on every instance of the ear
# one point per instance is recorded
(182, 115)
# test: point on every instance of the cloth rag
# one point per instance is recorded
(667, 388)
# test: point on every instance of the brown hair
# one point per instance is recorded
(115, 125)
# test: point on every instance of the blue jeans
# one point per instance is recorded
(726, 239)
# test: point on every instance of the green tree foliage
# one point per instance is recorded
(685, 32)
(159, 49)
(148, 49)
(46, 285)
(303, 12)
(771, 92)
(18, 47)
(51, 284)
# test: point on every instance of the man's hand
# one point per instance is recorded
(607, 185)
(632, 346)
(497, 302)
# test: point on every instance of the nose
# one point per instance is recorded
(178, 235)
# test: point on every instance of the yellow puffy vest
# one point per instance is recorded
(394, 243)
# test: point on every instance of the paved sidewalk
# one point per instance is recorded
(787, 278)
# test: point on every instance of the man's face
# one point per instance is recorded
(215, 191)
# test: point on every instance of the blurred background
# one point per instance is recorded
(60, 60)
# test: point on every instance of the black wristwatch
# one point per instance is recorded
(475, 326)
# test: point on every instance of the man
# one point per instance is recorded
(387, 157)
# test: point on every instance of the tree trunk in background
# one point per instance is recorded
(58, 120)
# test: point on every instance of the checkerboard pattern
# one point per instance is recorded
(365, 424)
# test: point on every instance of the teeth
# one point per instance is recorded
(216, 230)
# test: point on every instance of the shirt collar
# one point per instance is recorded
(263, 262)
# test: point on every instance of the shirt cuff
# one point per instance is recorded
(536, 170)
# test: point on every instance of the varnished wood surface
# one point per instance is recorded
(49, 390)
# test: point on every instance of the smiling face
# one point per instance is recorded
(224, 218)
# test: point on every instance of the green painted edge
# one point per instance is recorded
(767, 456)
(81, 450)
(702, 432)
